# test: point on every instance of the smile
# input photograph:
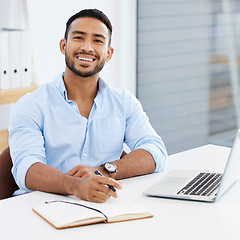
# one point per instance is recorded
(85, 59)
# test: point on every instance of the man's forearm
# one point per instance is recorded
(90, 187)
(42, 177)
(137, 162)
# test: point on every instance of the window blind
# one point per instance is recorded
(186, 71)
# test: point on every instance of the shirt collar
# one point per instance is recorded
(60, 85)
(101, 85)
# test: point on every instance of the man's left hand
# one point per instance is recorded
(81, 171)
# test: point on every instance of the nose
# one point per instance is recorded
(87, 46)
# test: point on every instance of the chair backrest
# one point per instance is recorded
(7, 183)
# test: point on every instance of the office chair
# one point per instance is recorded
(7, 183)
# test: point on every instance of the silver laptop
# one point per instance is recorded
(199, 185)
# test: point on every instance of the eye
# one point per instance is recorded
(78, 37)
(99, 41)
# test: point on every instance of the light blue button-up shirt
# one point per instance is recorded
(47, 127)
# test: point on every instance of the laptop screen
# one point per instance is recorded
(232, 170)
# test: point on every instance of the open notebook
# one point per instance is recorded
(71, 212)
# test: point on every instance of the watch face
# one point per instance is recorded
(110, 167)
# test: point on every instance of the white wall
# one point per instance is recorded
(47, 24)
(47, 19)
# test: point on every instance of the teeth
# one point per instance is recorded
(85, 59)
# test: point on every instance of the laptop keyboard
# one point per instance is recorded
(204, 184)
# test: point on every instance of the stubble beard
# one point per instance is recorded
(70, 64)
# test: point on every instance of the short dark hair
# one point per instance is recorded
(93, 13)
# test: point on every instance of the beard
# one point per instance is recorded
(70, 64)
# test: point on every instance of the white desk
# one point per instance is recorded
(172, 218)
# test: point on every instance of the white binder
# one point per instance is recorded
(4, 60)
(25, 62)
(14, 58)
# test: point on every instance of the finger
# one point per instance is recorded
(103, 191)
(72, 172)
(98, 186)
(107, 191)
(98, 193)
(109, 181)
(104, 194)
(101, 196)
(77, 172)
(98, 200)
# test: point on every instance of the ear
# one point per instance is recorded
(62, 45)
(109, 54)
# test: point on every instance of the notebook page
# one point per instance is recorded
(121, 207)
(62, 214)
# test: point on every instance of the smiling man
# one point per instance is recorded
(77, 124)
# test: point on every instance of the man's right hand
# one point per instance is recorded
(91, 187)
(94, 188)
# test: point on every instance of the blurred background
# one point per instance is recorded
(179, 57)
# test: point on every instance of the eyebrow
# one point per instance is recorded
(83, 33)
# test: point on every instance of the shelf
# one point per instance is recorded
(3, 139)
(12, 95)
(221, 97)
(222, 59)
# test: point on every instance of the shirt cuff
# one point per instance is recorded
(20, 171)
(159, 155)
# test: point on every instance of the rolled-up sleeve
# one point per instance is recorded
(25, 139)
(140, 134)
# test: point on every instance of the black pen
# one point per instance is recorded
(111, 187)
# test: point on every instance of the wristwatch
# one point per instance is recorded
(111, 168)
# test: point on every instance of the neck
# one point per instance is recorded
(81, 88)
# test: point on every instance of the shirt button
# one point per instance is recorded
(74, 107)
(85, 155)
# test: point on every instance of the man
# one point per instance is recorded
(67, 129)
